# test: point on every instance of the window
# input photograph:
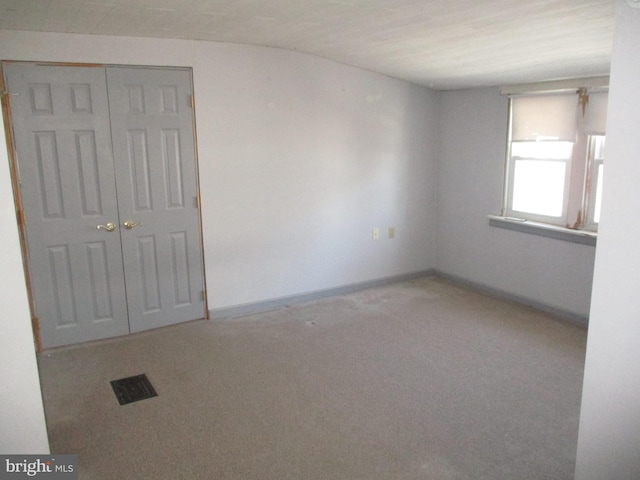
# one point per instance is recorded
(555, 159)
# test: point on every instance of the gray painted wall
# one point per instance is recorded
(555, 273)
(609, 436)
(303, 158)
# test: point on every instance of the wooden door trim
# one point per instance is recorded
(199, 197)
(17, 199)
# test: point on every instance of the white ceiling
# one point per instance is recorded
(443, 44)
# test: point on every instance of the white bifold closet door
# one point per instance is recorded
(108, 185)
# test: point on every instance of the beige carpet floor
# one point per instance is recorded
(417, 380)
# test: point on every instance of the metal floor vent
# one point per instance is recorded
(132, 389)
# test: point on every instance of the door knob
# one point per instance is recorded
(109, 227)
(130, 224)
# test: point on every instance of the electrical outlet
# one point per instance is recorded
(376, 233)
(392, 232)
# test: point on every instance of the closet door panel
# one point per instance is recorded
(153, 141)
(62, 140)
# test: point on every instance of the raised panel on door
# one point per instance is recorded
(67, 187)
(154, 153)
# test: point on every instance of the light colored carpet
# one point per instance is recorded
(417, 380)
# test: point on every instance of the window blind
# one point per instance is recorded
(544, 117)
(596, 113)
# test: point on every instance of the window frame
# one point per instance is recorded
(591, 189)
(581, 170)
(537, 217)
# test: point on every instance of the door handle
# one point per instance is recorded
(109, 227)
(131, 224)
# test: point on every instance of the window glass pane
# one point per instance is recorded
(538, 187)
(596, 210)
(598, 147)
(542, 150)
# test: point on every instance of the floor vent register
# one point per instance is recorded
(133, 389)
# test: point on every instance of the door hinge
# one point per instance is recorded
(20, 215)
(193, 101)
(204, 295)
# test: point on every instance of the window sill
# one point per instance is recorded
(583, 237)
